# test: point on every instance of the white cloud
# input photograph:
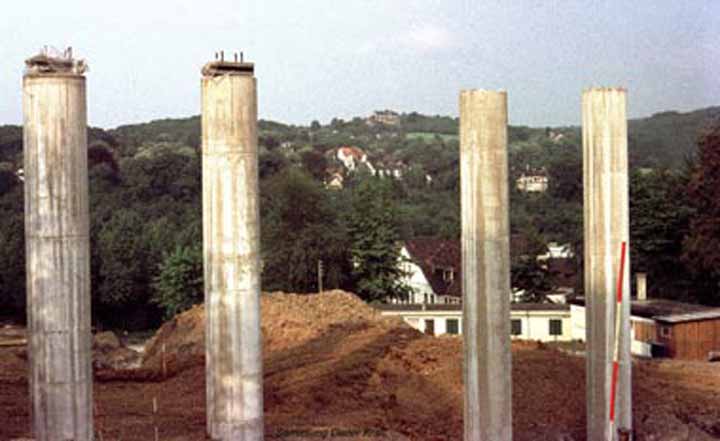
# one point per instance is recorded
(418, 38)
(428, 38)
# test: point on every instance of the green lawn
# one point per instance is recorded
(429, 136)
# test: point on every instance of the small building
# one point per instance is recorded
(386, 117)
(532, 183)
(545, 322)
(335, 181)
(663, 328)
(557, 251)
(352, 157)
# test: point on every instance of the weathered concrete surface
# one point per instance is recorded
(231, 229)
(486, 265)
(606, 212)
(58, 271)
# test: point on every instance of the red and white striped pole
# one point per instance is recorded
(616, 353)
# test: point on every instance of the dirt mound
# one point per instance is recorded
(287, 320)
(332, 365)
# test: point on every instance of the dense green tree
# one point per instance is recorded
(702, 246)
(299, 228)
(124, 275)
(314, 163)
(270, 163)
(659, 220)
(565, 175)
(375, 246)
(12, 253)
(178, 284)
(8, 181)
(528, 275)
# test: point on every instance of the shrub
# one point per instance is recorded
(179, 283)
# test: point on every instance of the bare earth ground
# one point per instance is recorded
(333, 364)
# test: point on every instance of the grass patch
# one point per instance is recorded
(430, 136)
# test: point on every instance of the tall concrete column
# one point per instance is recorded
(57, 246)
(231, 231)
(606, 210)
(486, 265)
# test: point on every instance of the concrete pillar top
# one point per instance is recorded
(222, 67)
(50, 64)
(604, 89)
(483, 91)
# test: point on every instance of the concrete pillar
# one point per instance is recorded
(606, 212)
(641, 284)
(57, 247)
(486, 265)
(231, 236)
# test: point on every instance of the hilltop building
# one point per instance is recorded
(386, 117)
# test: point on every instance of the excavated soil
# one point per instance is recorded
(333, 365)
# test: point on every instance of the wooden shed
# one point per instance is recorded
(690, 336)
(664, 328)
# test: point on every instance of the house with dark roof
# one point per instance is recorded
(432, 270)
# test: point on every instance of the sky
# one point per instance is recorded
(319, 59)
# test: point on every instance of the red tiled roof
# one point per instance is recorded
(356, 152)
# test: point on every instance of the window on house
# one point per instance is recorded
(665, 331)
(430, 326)
(452, 326)
(425, 298)
(555, 327)
(515, 327)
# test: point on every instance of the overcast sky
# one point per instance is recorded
(317, 59)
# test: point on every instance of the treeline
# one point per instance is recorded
(146, 232)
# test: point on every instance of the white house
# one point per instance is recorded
(557, 251)
(528, 321)
(536, 183)
(351, 157)
(335, 181)
(432, 271)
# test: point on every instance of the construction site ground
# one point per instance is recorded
(335, 369)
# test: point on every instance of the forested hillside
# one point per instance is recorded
(328, 190)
